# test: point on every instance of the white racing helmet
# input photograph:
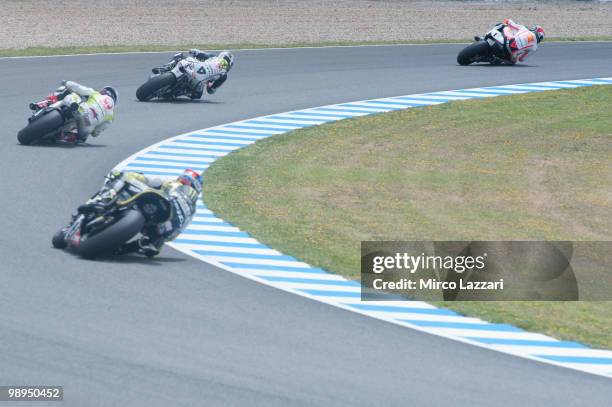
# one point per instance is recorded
(229, 58)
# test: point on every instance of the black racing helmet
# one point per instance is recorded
(110, 91)
(539, 32)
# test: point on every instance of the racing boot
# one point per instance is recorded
(146, 247)
(99, 203)
(211, 87)
(68, 136)
(198, 91)
(91, 207)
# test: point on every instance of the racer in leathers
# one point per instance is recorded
(521, 41)
(183, 193)
(93, 110)
(220, 65)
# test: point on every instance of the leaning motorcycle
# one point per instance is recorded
(124, 219)
(179, 77)
(490, 48)
(51, 120)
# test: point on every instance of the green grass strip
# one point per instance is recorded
(521, 167)
(47, 51)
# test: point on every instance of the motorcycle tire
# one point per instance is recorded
(58, 240)
(473, 52)
(42, 126)
(109, 240)
(148, 89)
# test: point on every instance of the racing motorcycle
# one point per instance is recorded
(491, 48)
(125, 218)
(179, 77)
(51, 120)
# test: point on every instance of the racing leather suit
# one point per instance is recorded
(95, 112)
(217, 66)
(521, 41)
(182, 197)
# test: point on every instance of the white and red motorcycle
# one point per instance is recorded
(179, 77)
(491, 48)
(51, 120)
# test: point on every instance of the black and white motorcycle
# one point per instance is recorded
(127, 217)
(491, 48)
(182, 76)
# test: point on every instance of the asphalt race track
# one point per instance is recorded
(177, 332)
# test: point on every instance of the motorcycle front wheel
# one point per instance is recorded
(42, 126)
(59, 240)
(109, 240)
(148, 89)
(474, 52)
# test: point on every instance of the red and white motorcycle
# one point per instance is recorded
(51, 121)
(491, 48)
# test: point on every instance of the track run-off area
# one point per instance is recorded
(124, 330)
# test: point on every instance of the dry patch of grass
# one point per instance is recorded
(521, 167)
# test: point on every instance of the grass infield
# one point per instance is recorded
(97, 49)
(544, 160)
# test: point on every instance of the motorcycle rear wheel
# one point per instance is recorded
(113, 237)
(42, 126)
(473, 53)
(148, 89)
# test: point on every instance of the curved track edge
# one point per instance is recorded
(214, 241)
